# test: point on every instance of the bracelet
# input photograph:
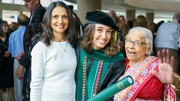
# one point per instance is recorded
(178, 86)
(174, 87)
(178, 77)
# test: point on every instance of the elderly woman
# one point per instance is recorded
(139, 65)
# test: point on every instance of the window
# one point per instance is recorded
(10, 16)
(7, 1)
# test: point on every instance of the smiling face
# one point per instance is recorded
(59, 20)
(136, 53)
(101, 36)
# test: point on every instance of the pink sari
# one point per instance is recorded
(141, 77)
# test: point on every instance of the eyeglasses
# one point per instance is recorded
(135, 43)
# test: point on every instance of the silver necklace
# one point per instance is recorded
(64, 47)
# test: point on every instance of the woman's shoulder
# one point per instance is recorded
(40, 46)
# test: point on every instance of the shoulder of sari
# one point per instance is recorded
(141, 73)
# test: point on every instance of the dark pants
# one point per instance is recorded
(26, 85)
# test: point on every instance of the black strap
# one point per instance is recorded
(89, 66)
(77, 50)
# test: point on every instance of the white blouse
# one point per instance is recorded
(53, 70)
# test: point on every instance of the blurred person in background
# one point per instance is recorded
(36, 15)
(6, 62)
(13, 26)
(168, 37)
(15, 47)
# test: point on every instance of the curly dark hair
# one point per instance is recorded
(86, 43)
(33, 29)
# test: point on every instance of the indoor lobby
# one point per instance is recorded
(153, 10)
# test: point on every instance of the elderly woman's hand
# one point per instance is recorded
(165, 69)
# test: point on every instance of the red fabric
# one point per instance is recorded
(152, 90)
(126, 63)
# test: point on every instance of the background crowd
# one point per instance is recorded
(35, 52)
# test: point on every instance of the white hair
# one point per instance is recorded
(147, 34)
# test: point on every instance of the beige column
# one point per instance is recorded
(130, 14)
(85, 6)
(150, 18)
(1, 10)
(0, 13)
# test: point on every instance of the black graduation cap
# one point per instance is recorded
(101, 18)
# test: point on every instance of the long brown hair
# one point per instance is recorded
(110, 49)
(140, 21)
(70, 33)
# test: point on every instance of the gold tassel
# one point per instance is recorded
(115, 36)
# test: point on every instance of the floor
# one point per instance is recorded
(5, 96)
